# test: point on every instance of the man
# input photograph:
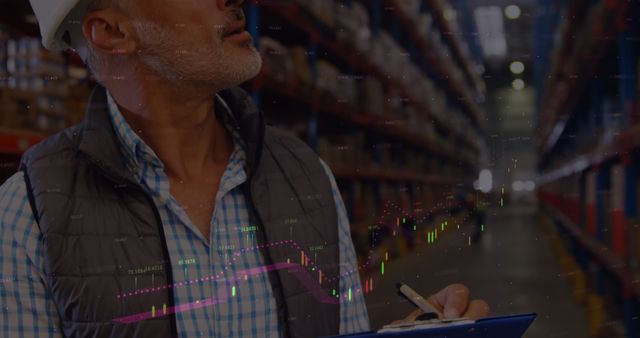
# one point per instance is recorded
(171, 210)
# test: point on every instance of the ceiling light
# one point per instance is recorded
(512, 12)
(518, 84)
(491, 31)
(485, 181)
(517, 67)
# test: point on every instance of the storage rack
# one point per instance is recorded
(589, 155)
(412, 189)
(37, 98)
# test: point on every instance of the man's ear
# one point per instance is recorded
(110, 32)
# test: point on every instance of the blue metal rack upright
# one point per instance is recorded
(469, 28)
(312, 51)
(253, 25)
(545, 25)
(628, 56)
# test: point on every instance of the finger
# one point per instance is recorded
(453, 299)
(477, 309)
(413, 315)
(410, 318)
(434, 302)
(457, 301)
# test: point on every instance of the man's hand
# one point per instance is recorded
(453, 302)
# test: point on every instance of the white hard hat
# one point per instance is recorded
(57, 17)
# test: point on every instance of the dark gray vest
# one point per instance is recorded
(97, 224)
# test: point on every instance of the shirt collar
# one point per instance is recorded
(138, 154)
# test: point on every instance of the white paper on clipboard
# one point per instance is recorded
(424, 324)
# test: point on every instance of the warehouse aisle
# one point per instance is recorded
(512, 268)
(418, 107)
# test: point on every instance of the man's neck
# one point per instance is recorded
(178, 122)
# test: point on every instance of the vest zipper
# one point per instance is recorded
(282, 318)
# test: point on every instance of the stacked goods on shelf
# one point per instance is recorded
(353, 26)
(393, 195)
(77, 102)
(302, 72)
(633, 238)
(36, 87)
(404, 145)
(3, 56)
(371, 94)
(604, 213)
(344, 150)
(365, 95)
(324, 11)
(635, 113)
(281, 65)
(337, 85)
(586, 38)
(351, 151)
(351, 92)
(438, 49)
(364, 206)
(14, 110)
(278, 62)
(591, 213)
(616, 235)
(411, 7)
(394, 61)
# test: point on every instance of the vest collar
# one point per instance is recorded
(100, 143)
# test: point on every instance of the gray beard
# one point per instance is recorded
(164, 55)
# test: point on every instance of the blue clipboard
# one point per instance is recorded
(513, 326)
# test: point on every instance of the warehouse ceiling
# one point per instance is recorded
(510, 112)
(502, 41)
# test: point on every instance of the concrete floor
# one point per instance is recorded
(512, 268)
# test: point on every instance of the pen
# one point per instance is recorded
(417, 300)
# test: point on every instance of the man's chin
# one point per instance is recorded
(250, 69)
(242, 68)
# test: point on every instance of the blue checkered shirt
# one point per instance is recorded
(27, 309)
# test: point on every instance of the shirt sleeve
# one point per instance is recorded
(353, 310)
(26, 309)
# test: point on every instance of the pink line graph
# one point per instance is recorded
(173, 309)
(303, 275)
(311, 264)
(298, 270)
(219, 276)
